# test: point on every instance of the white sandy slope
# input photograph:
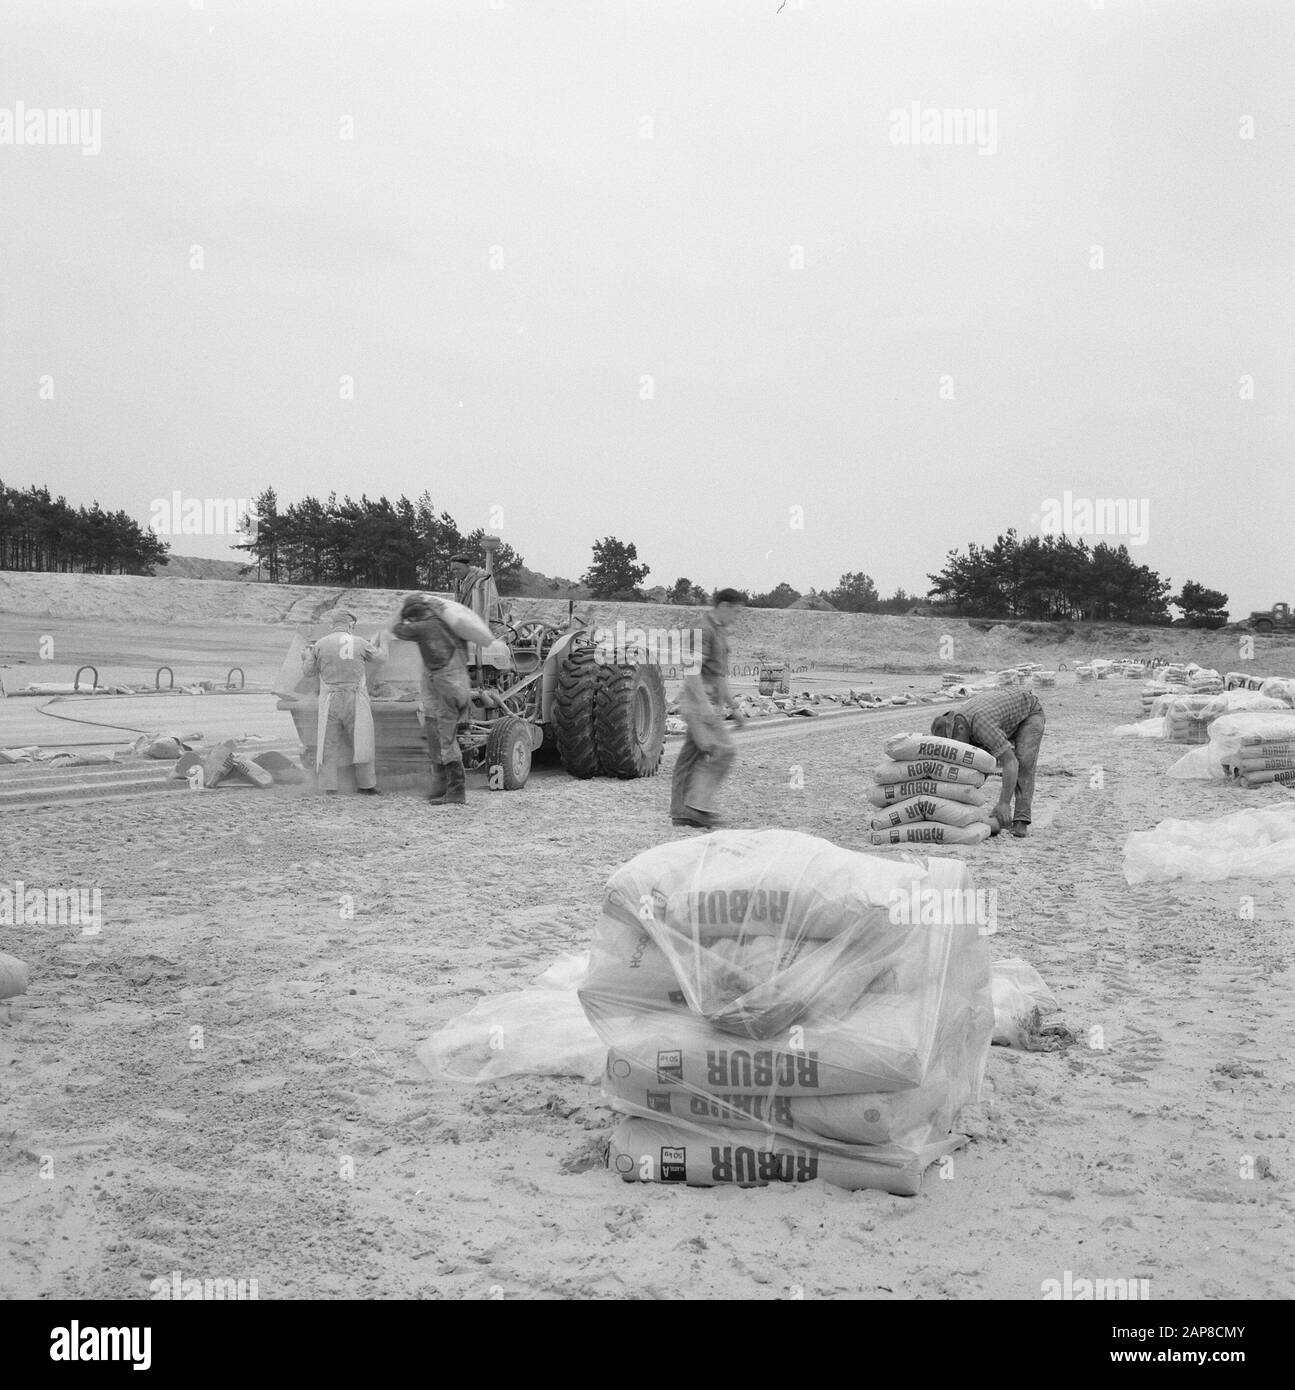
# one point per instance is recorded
(823, 640)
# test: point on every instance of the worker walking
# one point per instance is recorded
(1009, 724)
(445, 701)
(475, 589)
(708, 754)
(344, 734)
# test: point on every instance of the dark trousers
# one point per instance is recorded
(1026, 738)
(698, 774)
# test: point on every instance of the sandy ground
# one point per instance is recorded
(127, 1151)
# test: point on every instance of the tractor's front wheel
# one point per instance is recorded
(630, 719)
(508, 754)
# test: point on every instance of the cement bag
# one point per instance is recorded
(931, 808)
(463, 622)
(903, 747)
(1241, 763)
(646, 1151)
(933, 834)
(747, 883)
(1256, 844)
(896, 792)
(861, 1119)
(753, 988)
(887, 1044)
(541, 1031)
(759, 927)
(933, 769)
(1260, 779)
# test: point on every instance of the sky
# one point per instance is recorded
(688, 274)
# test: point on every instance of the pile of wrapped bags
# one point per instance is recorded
(779, 1009)
(1151, 692)
(928, 791)
(1202, 681)
(1266, 756)
(1045, 678)
(1188, 717)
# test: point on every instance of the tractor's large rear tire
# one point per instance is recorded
(630, 718)
(573, 714)
(1263, 625)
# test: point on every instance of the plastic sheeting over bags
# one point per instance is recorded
(1228, 735)
(815, 1022)
(539, 1031)
(1255, 844)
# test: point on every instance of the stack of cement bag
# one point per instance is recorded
(1188, 717)
(928, 792)
(779, 1009)
(1151, 692)
(1203, 681)
(1084, 672)
(1175, 673)
(1045, 678)
(1263, 756)
(1279, 688)
(1239, 680)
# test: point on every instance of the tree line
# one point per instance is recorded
(408, 544)
(368, 544)
(45, 533)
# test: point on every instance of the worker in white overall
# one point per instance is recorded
(345, 729)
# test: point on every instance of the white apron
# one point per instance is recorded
(362, 739)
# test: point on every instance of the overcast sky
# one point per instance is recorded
(545, 203)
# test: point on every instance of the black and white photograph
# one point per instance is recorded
(646, 653)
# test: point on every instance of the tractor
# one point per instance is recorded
(541, 688)
(1278, 618)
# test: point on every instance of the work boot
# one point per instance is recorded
(455, 793)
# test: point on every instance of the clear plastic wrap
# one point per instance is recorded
(769, 983)
(1255, 844)
(1245, 728)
